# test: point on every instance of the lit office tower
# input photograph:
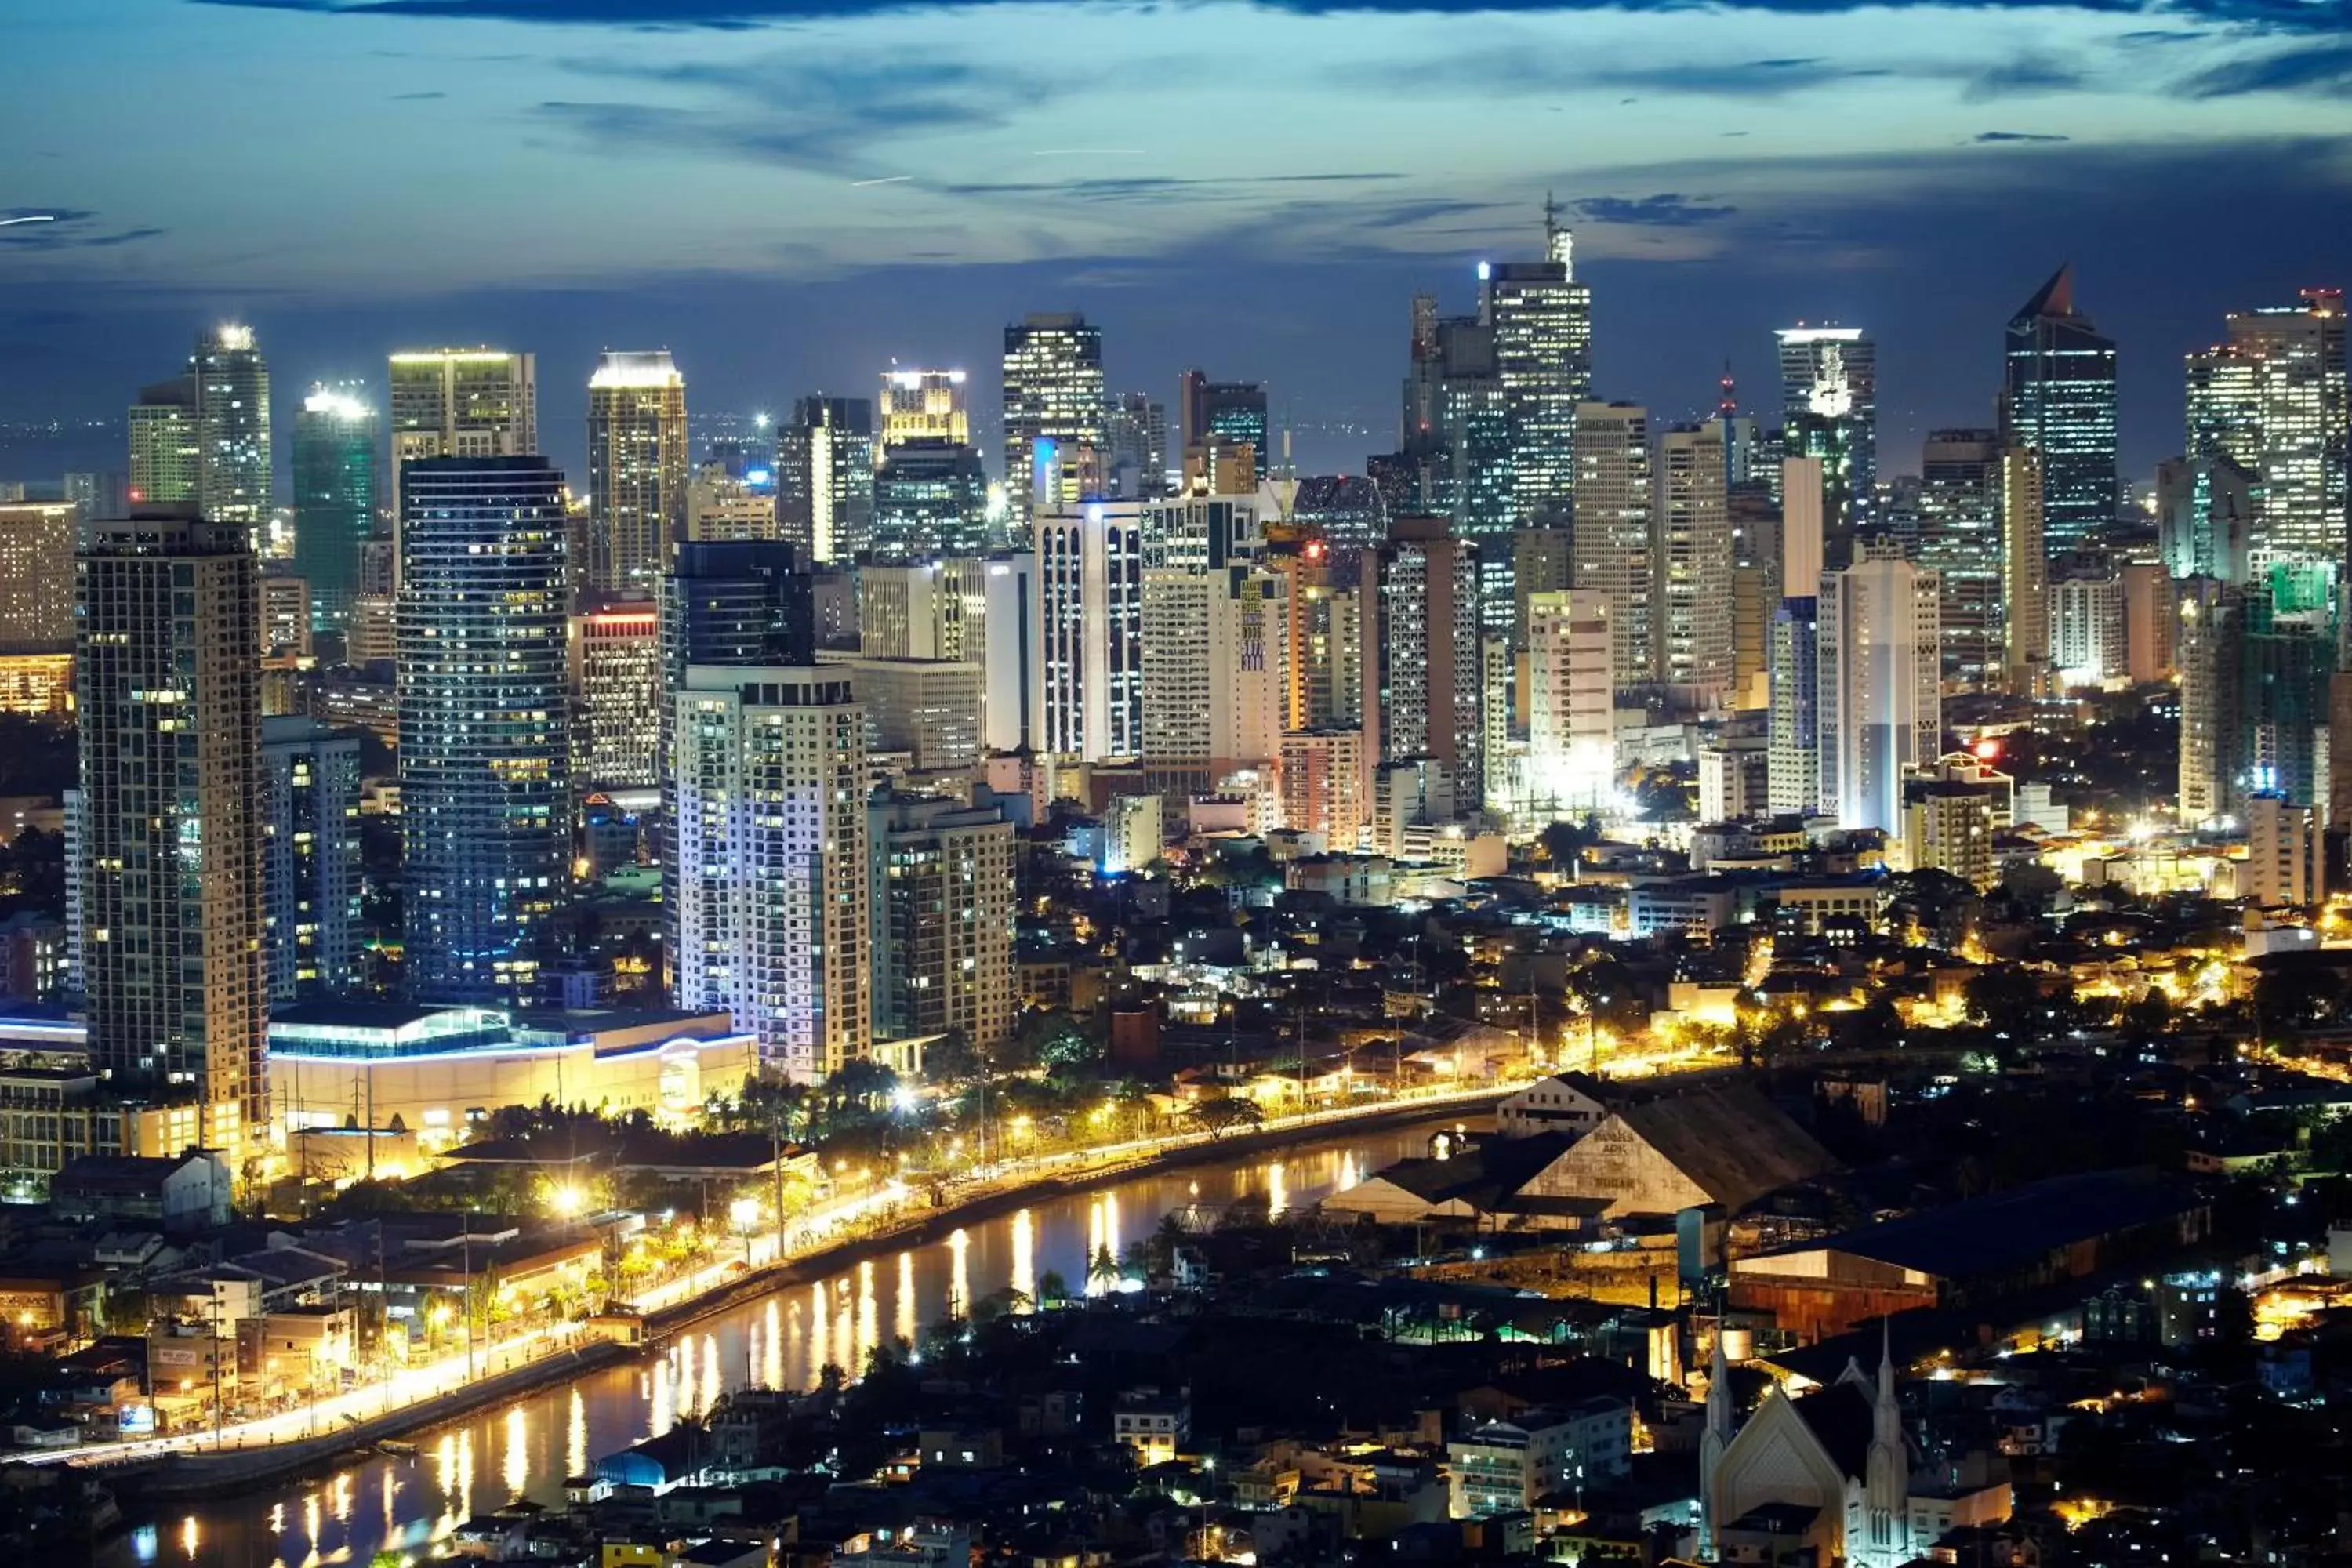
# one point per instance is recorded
(1347, 511)
(824, 477)
(2272, 398)
(1572, 702)
(636, 470)
(1135, 447)
(2025, 575)
(723, 504)
(1881, 703)
(1226, 413)
(485, 760)
(1694, 566)
(1424, 660)
(923, 405)
(232, 383)
(2286, 852)
(944, 906)
(37, 575)
(166, 452)
(1829, 410)
(2058, 399)
(1541, 318)
(2205, 517)
(2211, 615)
(769, 831)
(1052, 406)
(170, 851)
(1959, 541)
(1612, 548)
(930, 497)
(1793, 758)
(460, 402)
(616, 694)
(309, 857)
(1090, 621)
(335, 456)
(1215, 682)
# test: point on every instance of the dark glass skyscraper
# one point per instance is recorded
(930, 497)
(1829, 410)
(485, 776)
(335, 443)
(2058, 398)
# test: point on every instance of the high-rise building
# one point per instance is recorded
(1216, 679)
(1881, 712)
(1614, 554)
(721, 504)
(930, 497)
(37, 575)
(1223, 413)
(929, 710)
(771, 917)
(1323, 784)
(484, 741)
(2058, 399)
(2272, 398)
(973, 609)
(2205, 518)
(1423, 657)
(2087, 629)
(1541, 321)
(2026, 575)
(96, 494)
(1089, 623)
(1572, 702)
(943, 905)
(1829, 410)
(309, 857)
(1793, 758)
(2286, 851)
(232, 383)
(1960, 474)
(923, 405)
(636, 471)
(1692, 571)
(1054, 406)
(824, 477)
(335, 458)
(615, 679)
(1347, 511)
(168, 836)
(2211, 615)
(166, 447)
(461, 403)
(1135, 437)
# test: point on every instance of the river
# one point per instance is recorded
(782, 1340)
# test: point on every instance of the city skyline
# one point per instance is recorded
(1728, 201)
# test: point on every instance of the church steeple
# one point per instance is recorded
(1886, 1481)
(1713, 1440)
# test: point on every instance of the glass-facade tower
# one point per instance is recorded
(335, 437)
(2058, 399)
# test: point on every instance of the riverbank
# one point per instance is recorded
(234, 1470)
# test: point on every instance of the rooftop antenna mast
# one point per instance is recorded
(1559, 245)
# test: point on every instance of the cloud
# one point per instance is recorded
(1668, 209)
(2021, 78)
(1987, 138)
(2274, 16)
(1156, 187)
(67, 229)
(2324, 68)
(416, 97)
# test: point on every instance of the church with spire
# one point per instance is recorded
(1825, 1477)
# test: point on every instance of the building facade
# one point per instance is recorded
(2058, 399)
(336, 452)
(1054, 406)
(311, 871)
(943, 903)
(1880, 706)
(636, 471)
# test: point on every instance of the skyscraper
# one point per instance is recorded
(824, 477)
(1424, 658)
(1053, 400)
(1135, 440)
(2058, 399)
(335, 456)
(636, 470)
(485, 754)
(1829, 410)
(2205, 517)
(232, 383)
(1793, 758)
(2026, 575)
(930, 497)
(1959, 541)
(721, 505)
(1572, 701)
(1541, 318)
(310, 870)
(1881, 702)
(1694, 566)
(923, 405)
(1228, 413)
(1614, 515)
(2272, 399)
(1089, 623)
(169, 837)
(166, 447)
(37, 575)
(461, 403)
(616, 694)
(943, 906)
(770, 833)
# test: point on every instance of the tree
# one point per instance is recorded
(1219, 1117)
(2009, 1003)
(1564, 842)
(1051, 1289)
(1102, 1271)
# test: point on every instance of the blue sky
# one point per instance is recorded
(1256, 188)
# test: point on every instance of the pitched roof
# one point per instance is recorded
(1730, 1140)
(2002, 1230)
(1841, 1417)
(2055, 298)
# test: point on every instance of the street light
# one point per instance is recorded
(745, 1214)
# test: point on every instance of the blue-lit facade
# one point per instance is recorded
(336, 441)
(485, 774)
(2058, 399)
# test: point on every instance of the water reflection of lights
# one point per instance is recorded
(820, 1330)
(664, 1412)
(869, 1332)
(518, 1468)
(188, 1536)
(958, 1274)
(904, 1325)
(1277, 1191)
(772, 1365)
(1025, 1256)
(710, 1376)
(575, 1437)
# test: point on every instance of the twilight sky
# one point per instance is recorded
(788, 193)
